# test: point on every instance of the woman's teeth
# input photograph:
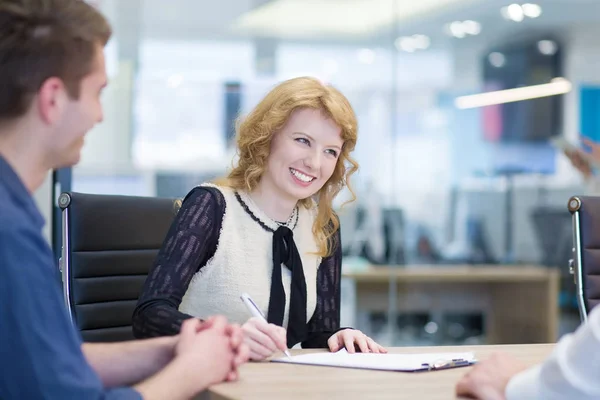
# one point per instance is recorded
(301, 176)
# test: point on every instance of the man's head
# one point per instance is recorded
(52, 72)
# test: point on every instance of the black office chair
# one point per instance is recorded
(585, 264)
(109, 244)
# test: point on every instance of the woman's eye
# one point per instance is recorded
(302, 140)
(332, 152)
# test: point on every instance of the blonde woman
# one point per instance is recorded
(267, 229)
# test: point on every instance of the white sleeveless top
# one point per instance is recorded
(243, 262)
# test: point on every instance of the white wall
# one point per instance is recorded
(107, 145)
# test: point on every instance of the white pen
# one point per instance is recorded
(255, 311)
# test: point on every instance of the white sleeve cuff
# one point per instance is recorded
(525, 385)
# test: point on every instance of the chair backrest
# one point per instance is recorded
(109, 244)
(585, 265)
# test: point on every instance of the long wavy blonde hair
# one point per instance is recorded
(256, 130)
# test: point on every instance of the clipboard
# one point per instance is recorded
(419, 362)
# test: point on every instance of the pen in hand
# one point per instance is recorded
(255, 312)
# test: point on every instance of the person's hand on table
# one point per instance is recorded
(353, 340)
(263, 339)
(236, 341)
(207, 352)
(488, 379)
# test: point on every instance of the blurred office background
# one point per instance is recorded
(444, 182)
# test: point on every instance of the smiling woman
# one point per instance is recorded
(267, 229)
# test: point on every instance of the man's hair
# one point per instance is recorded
(41, 39)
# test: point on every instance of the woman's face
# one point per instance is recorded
(303, 154)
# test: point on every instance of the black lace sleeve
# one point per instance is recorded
(189, 244)
(326, 319)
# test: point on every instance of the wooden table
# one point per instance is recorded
(276, 381)
(519, 303)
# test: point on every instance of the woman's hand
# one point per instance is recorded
(263, 339)
(354, 339)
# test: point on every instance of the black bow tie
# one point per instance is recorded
(285, 252)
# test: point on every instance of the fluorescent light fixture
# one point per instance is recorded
(556, 87)
(318, 18)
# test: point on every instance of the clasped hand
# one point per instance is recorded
(215, 340)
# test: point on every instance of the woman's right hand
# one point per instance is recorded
(263, 339)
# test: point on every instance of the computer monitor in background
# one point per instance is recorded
(521, 64)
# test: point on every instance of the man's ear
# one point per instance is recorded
(51, 100)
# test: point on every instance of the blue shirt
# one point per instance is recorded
(40, 351)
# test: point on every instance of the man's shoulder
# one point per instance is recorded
(12, 217)
(18, 229)
(8, 202)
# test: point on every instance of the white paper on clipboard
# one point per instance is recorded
(383, 362)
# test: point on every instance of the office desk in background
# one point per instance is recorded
(276, 381)
(519, 303)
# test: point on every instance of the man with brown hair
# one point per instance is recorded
(51, 75)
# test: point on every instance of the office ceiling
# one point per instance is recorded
(346, 21)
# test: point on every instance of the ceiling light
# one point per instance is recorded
(318, 18)
(457, 30)
(514, 12)
(366, 56)
(547, 47)
(497, 60)
(412, 43)
(531, 10)
(460, 29)
(404, 44)
(472, 27)
(556, 87)
(421, 42)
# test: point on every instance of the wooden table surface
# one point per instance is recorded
(264, 380)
